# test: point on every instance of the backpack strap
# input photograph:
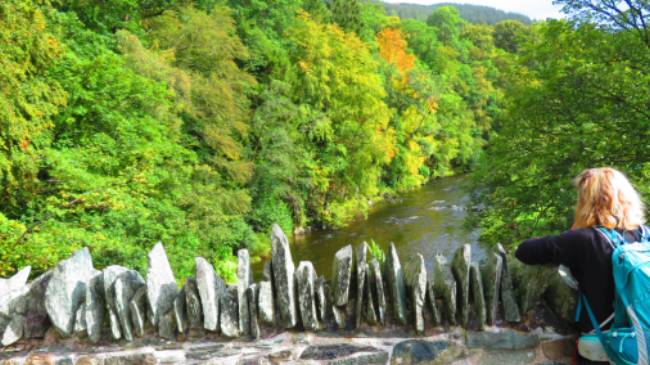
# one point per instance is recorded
(614, 238)
(645, 233)
(599, 332)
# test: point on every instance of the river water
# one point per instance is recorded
(429, 220)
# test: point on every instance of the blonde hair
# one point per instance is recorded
(606, 198)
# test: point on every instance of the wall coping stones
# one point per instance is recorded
(259, 309)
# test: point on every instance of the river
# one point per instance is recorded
(429, 220)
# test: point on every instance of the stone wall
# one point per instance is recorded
(76, 301)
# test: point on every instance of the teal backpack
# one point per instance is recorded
(628, 340)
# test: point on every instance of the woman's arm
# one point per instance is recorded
(564, 248)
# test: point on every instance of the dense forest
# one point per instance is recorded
(200, 123)
(471, 13)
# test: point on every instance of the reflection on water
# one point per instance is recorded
(428, 220)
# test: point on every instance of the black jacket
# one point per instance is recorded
(588, 254)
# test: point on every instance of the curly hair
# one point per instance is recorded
(606, 198)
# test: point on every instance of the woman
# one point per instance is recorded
(605, 198)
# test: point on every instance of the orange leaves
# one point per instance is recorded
(393, 49)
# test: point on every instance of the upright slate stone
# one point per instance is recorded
(124, 288)
(360, 271)
(491, 272)
(431, 299)
(510, 308)
(251, 297)
(244, 280)
(161, 285)
(267, 272)
(206, 282)
(79, 328)
(305, 278)
(265, 307)
(94, 306)
(137, 307)
(342, 275)
(530, 283)
(460, 268)
(445, 288)
(180, 312)
(193, 304)
(229, 313)
(415, 274)
(322, 303)
(340, 316)
(396, 286)
(370, 310)
(13, 293)
(17, 281)
(167, 325)
(36, 319)
(478, 298)
(109, 275)
(67, 289)
(13, 331)
(283, 280)
(376, 285)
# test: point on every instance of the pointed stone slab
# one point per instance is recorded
(267, 272)
(415, 275)
(180, 312)
(229, 313)
(305, 277)
(193, 304)
(14, 301)
(13, 331)
(137, 306)
(209, 291)
(460, 268)
(396, 285)
(265, 307)
(342, 275)
(340, 316)
(445, 288)
(491, 272)
(244, 280)
(478, 298)
(283, 280)
(432, 303)
(167, 326)
(66, 290)
(251, 297)
(370, 312)
(17, 281)
(79, 329)
(530, 283)
(109, 275)
(124, 288)
(36, 319)
(94, 306)
(510, 308)
(376, 284)
(161, 285)
(361, 265)
(322, 303)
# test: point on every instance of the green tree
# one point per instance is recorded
(508, 34)
(338, 80)
(575, 100)
(347, 14)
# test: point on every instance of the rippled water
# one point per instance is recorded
(429, 220)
